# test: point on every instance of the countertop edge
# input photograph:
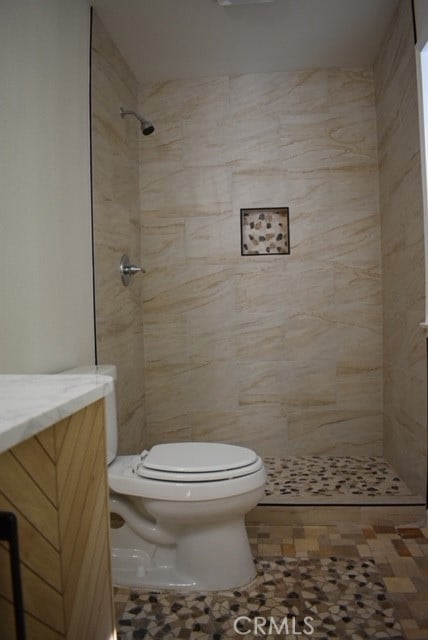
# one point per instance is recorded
(13, 432)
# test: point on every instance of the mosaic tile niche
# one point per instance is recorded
(265, 232)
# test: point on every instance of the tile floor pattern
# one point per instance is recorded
(332, 475)
(356, 582)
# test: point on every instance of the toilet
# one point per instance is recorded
(183, 506)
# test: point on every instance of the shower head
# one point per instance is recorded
(146, 126)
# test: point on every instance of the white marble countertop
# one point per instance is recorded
(31, 403)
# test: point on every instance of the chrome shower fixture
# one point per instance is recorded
(146, 127)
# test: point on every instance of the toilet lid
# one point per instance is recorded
(197, 462)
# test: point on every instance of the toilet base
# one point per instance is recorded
(194, 564)
(132, 568)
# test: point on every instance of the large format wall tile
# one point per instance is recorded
(403, 291)
(237, 347)
(338, 432)
(116, 210)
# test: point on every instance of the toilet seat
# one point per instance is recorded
(123, 479)
(197, 462)
(197, 457)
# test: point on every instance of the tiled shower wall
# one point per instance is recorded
(405, 374)
(116, 205)
(281, 353)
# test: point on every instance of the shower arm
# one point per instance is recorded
(129, 112)
(146, 126)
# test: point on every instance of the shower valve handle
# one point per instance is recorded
(132, 270)
(127, 269)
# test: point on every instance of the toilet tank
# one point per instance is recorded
(110, 403)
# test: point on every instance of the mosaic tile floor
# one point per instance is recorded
(328, 597)
(338, 476)
(355, 582)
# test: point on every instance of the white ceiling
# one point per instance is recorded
(166, 39)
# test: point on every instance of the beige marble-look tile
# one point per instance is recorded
(260, 287)
(352, 139)
(167, 391)
(213, 238)
(172, 429)
(314, 293)
(278, 135)
(116, 206)
(354, 193)
(213, 386)
(253, 141)
(334, 432)
(109, 55)
(405, 435)
(215, 426)
(259, 186)
(349, 90)
(307, 192)
(189, 100)
(176, 290)
(263, 427)
(359, 344)
(206, 143)
(359, 386)
(162, 240)
(393, 56)
(357, 296)
(155, 170)
(309, 383)
(127, 352)
(132, 433)
(210, 336)
(400, 199)
(304, 142)
(165, 341)
(195, 191)
(259, 336)
(260, 382)
(271, 94)
(309, 336)
(356, 243)
(393, 246)
(165, 148)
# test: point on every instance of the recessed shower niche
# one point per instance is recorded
(265, 231)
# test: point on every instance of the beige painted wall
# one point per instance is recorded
(117, 231)
(283, 353)
(403, 263)
(45, 220)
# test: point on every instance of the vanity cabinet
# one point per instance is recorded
(56, 484)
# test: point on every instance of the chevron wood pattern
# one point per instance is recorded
(56, 484)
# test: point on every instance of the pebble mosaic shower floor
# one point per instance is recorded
(318, 476)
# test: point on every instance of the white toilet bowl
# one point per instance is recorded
(183, 506)
(199, 534)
